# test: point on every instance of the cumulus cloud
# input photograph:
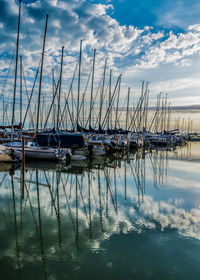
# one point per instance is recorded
(131, 50)
(68, 23)
(174, 49)
(177, 84)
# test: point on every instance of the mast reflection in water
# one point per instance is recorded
(134, 217)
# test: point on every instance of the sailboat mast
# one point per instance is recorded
(110, 86)
(92, 87)
(111, 100)
(140, 108)
(79, 80)
(102, 91)
(3, 103)
(61, 67)
(20, 89)
(53, 90)
(16, 64)
(127, 109)
(117, 108)
(41, 70)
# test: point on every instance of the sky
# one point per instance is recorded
(147, 40)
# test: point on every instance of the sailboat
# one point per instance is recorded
(35, 152)
(7, 155)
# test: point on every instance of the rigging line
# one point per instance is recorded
(56, 91)
(83, 202)
(111, 101)
(7, 73)
(84, 93)
(31, 207)
(31, 115)
(50, 27)
(16, 68)
(51, 194)
(66, 99)
(3, 179)
(28, 33)
(137, 111)
(94, 101)
(94, 198)
(31, 94)
(108, 184)
(67, 105)
(68, 205)
(103, 99)
(122, 110)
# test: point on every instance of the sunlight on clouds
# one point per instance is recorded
(131, 50)
(178, 84)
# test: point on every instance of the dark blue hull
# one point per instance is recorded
(60, 139)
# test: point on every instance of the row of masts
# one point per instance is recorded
(102, 111)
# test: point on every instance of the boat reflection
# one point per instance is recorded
(62, 210)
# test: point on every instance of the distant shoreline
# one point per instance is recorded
(186, 108)
(176, 108)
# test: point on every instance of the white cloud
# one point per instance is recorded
(132, 51)
(177, 84)
(194, 27)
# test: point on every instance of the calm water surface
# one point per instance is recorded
(137, 217)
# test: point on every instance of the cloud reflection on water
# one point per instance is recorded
(80, 213)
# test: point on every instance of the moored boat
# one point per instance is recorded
(35, 152)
